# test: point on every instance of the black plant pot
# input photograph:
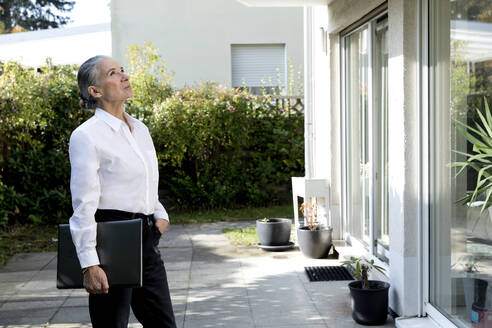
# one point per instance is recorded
(275, 232)
(314, 244)
(475, 293)
(369, 306)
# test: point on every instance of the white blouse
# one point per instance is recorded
(112, 168)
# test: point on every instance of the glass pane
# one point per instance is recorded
(461, 238)
(358, 165)
(381, 100)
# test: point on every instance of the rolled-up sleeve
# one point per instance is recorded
(85, 189)
(159, 210)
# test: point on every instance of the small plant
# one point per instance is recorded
(479, 134)
(310, 212)
(468, 263)
(362, 268)
(265, 220)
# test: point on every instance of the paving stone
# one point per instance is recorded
(28, 305)
(36, 317)
(71, 315)
(205, 321)
(52, 265)
(69, 325)
(28, 262)
(76, 301)
(177, 276)
(7, 289)
(295, 325)
(212, 284)
(350, 323)
(218, 293)
(178, 286)
(19, 276)
(286, 321)
(39, 285)
(175, 240)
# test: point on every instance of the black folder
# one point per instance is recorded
(119, 246)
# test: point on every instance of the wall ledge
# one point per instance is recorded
(415, 322)
(284, 3)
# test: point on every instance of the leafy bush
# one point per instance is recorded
(216, 147)
(9, 201)
(38, 111)
(150, 79)
(43, 179)
(223, 148)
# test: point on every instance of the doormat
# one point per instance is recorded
(328, 273)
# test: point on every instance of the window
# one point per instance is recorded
(365, 76)
(258, 66)
(460, 238)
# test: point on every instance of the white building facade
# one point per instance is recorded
(218, 40)
(66, 45)
(385, 82)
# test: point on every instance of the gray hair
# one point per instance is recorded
(86, 77)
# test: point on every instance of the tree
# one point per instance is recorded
(472, 10)
(30, 15)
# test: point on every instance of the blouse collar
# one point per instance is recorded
(114, 122)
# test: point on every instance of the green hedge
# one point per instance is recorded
(39, 109)
(221, 148)
(217, 147)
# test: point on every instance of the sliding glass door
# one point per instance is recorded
(460, 50)
(365, 76)
(357, 133)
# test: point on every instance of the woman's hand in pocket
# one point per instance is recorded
(161, 225)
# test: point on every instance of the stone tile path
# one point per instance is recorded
(213, 284)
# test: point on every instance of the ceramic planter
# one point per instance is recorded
(369, 306)
(314, 244)
(275, 232)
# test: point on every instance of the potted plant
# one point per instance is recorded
(479, 135)
(369, 297)
(273, 231)
(475, 289)
(313, 240)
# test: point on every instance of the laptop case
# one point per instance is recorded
(119, 246)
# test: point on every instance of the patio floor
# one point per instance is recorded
(213, 284)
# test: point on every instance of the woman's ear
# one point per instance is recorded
(94, 92)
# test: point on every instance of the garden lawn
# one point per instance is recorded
(27, 238)
(241, 214)
(242, 236)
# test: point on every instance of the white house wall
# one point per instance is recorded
(403, 135)
(321, 99)
(317, 100)
(195, 36)
(403, 155)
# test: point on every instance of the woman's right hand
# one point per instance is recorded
(95, 280)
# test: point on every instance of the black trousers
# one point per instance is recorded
(151, 303)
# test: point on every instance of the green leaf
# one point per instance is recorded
(487, 112)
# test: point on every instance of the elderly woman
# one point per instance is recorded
(115, 177)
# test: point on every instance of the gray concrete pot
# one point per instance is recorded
(275, 232)
(314, 244)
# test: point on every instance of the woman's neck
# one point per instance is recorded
(116, 110)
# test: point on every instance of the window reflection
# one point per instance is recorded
(461, 262)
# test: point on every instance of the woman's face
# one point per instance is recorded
(114, 83)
